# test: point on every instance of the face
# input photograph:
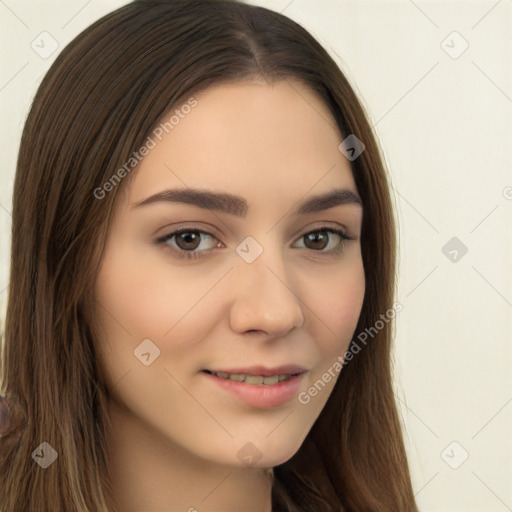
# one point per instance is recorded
(252, 286)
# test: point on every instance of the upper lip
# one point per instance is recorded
(262, 370)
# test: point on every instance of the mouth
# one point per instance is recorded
(254, 380)
(257, 386)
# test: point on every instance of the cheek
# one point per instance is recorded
(335, 310)
(335, 307)
(140, 297)
(146, 297)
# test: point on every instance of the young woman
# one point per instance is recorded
(202, 235)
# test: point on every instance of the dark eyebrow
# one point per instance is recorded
(238, 206)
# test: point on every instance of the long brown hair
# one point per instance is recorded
(94, 109)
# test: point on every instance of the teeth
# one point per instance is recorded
(239, 377)
(271, 380)
(254, 380)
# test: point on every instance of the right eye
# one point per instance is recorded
(186, 241)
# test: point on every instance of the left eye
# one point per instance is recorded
(321, 236)
(186, 241)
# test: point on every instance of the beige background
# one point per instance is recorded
(444, 118)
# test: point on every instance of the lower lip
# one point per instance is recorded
(261, 396)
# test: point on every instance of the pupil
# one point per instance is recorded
(188, 238)
(314, 237)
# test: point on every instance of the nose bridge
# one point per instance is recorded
(265, 298)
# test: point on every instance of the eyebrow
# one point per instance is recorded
(238, 206)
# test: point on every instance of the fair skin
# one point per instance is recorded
(176, 436)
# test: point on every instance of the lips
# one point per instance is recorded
(254, 380)
(255, 392)
(262, 371)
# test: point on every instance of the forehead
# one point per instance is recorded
(253, 139)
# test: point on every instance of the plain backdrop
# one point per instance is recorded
(436, 80)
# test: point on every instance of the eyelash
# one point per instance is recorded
(191, 255)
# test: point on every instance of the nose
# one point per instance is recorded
(264, 298)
